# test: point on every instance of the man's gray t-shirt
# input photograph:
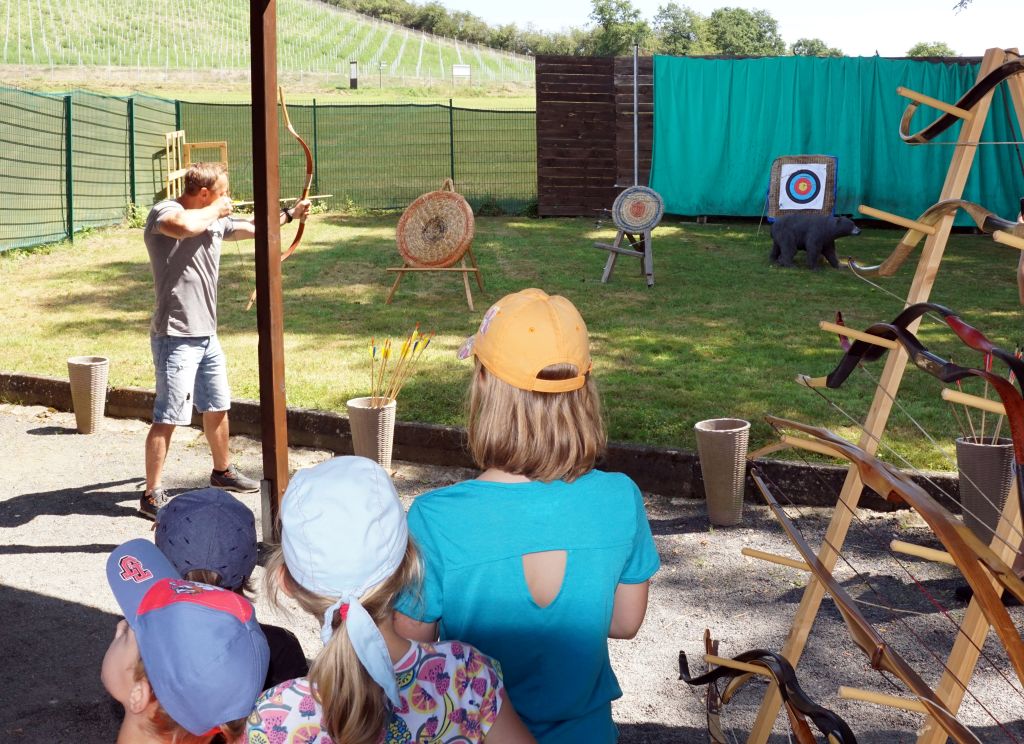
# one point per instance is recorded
(185, 275)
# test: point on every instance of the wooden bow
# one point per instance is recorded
(861, 351)
(864, 351)
(986, 221)
(863, 633)
(799, 707)
(305, 188)
(967, 101)
(975, 560)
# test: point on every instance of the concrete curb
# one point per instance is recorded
(660, 470)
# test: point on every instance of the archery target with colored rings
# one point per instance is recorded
(802, 186)
(637, 209)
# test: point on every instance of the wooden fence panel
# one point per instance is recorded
(585, 131)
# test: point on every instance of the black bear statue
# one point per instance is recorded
(814, 233)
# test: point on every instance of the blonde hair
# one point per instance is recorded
(355, 709)
(167, 729)
(543, 436)
(201, 176)
(211, 577)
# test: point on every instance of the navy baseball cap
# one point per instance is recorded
(209, 529)
(204, 653)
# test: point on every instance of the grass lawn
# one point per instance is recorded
(721, 333)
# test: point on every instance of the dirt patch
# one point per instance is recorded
(67, 499)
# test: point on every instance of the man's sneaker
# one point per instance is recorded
(233, 480)
(151, 503)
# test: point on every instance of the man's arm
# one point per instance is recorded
(245, 229)
(188, 223)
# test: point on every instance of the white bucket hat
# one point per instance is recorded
(343, 532)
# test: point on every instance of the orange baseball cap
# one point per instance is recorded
(524, 332)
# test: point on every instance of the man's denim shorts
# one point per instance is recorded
(189, 371)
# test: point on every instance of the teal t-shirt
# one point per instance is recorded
(472, 537)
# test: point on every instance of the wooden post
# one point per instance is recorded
(878, 414)
(269, 311)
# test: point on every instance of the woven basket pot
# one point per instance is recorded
(436, 230)
(986, 475)
(88, 376)
(372, 421)
(722, 448)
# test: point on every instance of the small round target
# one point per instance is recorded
(803, 186)
(637, 209)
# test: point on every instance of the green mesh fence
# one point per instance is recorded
(78, 160)
(385, 155)
(74, 161)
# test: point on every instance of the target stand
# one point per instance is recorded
(636, 212)
(433, 234)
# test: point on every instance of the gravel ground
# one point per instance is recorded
(67, 499)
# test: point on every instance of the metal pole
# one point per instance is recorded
(69, 176)
(269, 310)
(636, 146)
(451, 139)
(131, 149)
(316, 159)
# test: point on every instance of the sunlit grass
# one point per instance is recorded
(721, 333)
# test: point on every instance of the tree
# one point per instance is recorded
(619, 27)
(741, 31)
(931, 49)
(679, 30)
(814, 48)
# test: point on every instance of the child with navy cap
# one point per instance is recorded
(345, 555)
(187, 661)
(210, 537)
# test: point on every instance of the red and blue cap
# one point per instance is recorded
(205, 655)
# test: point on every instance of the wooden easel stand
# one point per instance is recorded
(640, 247)
(466, 271)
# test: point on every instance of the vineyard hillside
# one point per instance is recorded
(313, 37)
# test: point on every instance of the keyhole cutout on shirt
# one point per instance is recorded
(544, 573)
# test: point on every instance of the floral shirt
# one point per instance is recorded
(449, 692)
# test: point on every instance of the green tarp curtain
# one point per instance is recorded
(719, 124)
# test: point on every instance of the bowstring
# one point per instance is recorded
(863, 579)
(910, 466)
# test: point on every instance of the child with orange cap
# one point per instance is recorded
(542, 558)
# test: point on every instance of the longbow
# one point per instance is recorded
(986, 220)
(882, 657)
(967, 101)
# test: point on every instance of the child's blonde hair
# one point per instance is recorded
(167, 729)
(355, 709)
(543, 436)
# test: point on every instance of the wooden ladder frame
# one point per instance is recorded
(179, 157)
(963, 656)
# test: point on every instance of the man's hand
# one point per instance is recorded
(300, 209)
(223, 206)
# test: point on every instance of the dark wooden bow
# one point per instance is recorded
(799, 706)
(864, 351)
(976, 561)
(922, 358)
(305, 188)
(986, 221)
(967, 101)
(863, 633)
